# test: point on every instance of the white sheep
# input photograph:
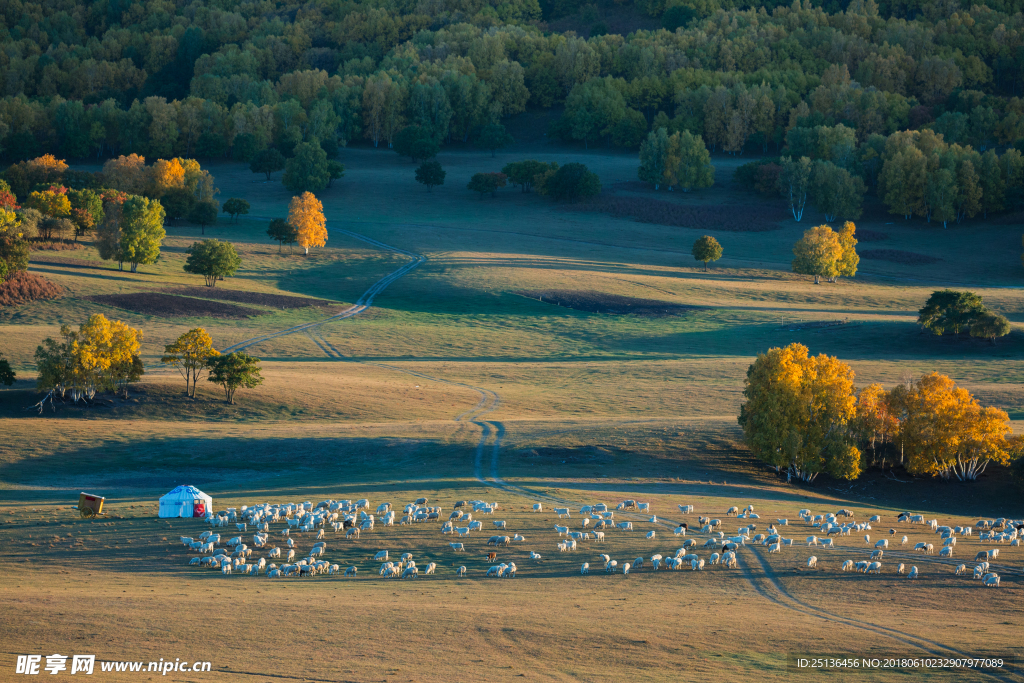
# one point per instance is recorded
(585, 568)
(519, 537)
(828, 543)
(903, 541)
(867, 538)
(625, 526)
(610, 566)
(812, 540)
(562, 530)
(562, 512)
(812, 562)
(461, 571)
(884, 543)
(960, 569)
(625, 567)
(537, 507)
(534, 556)
(733, 510)
(877, 553)
(774, 548)
(913, 573)
(430, 568)
(875, 567)
(679, 531)
(499, 524)
(847, 566)
(599, 536)
(685, 509)
(946, 552)
(650, 534)
(991, 581)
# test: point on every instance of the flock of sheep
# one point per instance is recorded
(351, 518)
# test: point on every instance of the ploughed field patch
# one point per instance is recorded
(864, 235)
(24, 287)
(254, 298)
(169, 306)
(908, 258)
(734, 218)
(612, 304)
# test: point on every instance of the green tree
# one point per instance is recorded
(178, 202)
(794, 182)
(493, 136)
(282, 232)
(949, 310)
(592, 108)
(416, 143)
(990, 326)
(819, 253)
(573, 182)
(86, 210)
(430, 174)
(235, 370)
(7, 376)
(268, 161)
(485, 183)
(335, 170)
(190, 354)
(654, 153)
(245, 148)
(142, 231)
(523, 173)
(307, 171)
(212, 259)
(940, 196)
(693, 170)
(836, 192)
(707, 249)
(234, 207)
(204, 213)
(631, 130)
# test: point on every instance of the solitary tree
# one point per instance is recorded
(818, 253)
(430, 174)
(190, 355)
(7, 376)
(493, 136)
(487, 183)
(268, 161)
(307, 171)
(306, 213)
(212, 259)
(949, 310)
(204, 213)
(523, 173)
(990, 326)
(707, 249)
(235, 370)
(572, 182)
(142, 231)
(235, 207)
(335, 170)
(283, 232)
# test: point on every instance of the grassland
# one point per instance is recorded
(587, 407)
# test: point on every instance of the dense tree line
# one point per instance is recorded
(209, 80)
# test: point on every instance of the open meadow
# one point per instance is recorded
(469, 377)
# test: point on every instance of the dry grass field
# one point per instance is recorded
(455, 386)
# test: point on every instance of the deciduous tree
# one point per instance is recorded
(235, 207)
(190, 354)
(572, 182)
(204, 213)
(707, 249)
(212, 259)
(142, 231)
(819, 253)
(486, 183)
(267, 161)
(949, 310)
(307, 171)
(990, 326)
(7, 376)
(430, 174)
(282, 232)
(306, 213)
(235, 370)
(493, 137)
(794, 182)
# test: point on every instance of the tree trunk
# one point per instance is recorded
(705, 266)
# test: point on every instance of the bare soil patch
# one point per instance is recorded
(734, 218)
(255, 298)
(908, 258)
(168, 306)
(24, 287)
(613, 304)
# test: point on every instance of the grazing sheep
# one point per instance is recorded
(874, 567)
(562, 512)
(773, 548)
(291, 555)
(913, 573)
(828, 543)
(697, 564)
(562, 530)
(638, 563)
(599, 536)
(921, 546)
(625, 567)
(877, 553)
(274, 574)
(867, 538)
(812, 540)
(904, 540)
(225, 569)
(534, 556)
(625, 526)
(430, 568)
(679, 531)
(991, 581)
(848, 565)
(733, 510)
(585, 568)
(519, 538)
(194, 561)
(875, 518)
(946, 552)
(685, 509)
(499, 524)
(960, 569)
(461, 571)
(884, 543)
(353, 532)
(610, 566)
(462, 531)
(411, 572)
(650, 534)
(729, 560)
(812, 562)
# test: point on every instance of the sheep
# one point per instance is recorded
(884, 543)
(828, 543)
(195, 561)
(697, 564)
(562, 512)
(625, 568)
(625, 526)
(225, 569)
(462, 531)
(291, 555)
(585, 568)
(411, 572)
(903, 541)
(946, 552)
(812, 562)
(877, 553)
(679, 531)
(499, 524)
(458, 547)
(534, 556)
(847, 566)
(729, 560)
(685, 509)
(929, 548)
(610, 566)
(733, 510)
(382, 555)
(599, 536)
(991, 581)
(461, 571)
(812, 540)
(562, 530)
(353, 532)
(913, 573)
(650, 534)
(430, 568)
(960, 569)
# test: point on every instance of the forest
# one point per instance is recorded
(215, 79)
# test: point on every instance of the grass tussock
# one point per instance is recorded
(25, 287)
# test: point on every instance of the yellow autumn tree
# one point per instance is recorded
(875, 425)
(948, 434)
(166, 175)
(50, 203)
(190, 354)
(819, 253)
(101, 354)
(799, 413)
(46, 169)
(306, 214)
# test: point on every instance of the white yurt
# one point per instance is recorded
(186, 501)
